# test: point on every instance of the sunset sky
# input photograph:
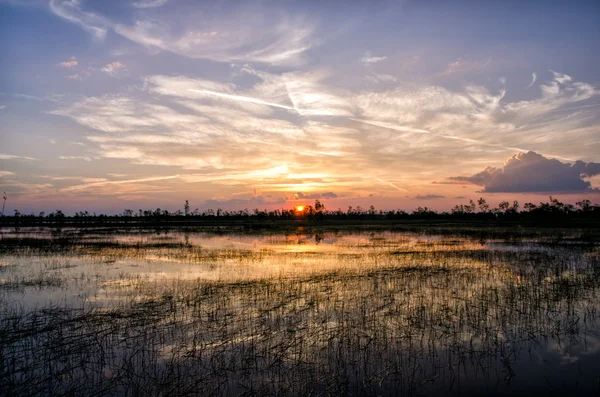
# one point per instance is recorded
(106, 105)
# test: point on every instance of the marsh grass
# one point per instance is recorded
(380, 314)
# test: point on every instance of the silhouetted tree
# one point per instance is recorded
(484, 207)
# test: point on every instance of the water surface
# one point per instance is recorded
(365, 312)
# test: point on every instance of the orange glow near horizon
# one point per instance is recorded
(299, 208)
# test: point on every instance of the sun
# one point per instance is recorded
(299, 208)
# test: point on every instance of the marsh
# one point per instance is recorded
(308, 311)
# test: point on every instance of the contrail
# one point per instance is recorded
(419, 131)
(120, 182)
(391, 184)
(575, 108)
(243, 99)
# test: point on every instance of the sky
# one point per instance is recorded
(107, 105)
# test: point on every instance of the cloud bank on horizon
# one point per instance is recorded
(532, 172)
(156, 101)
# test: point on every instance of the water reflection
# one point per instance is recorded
(376, 313)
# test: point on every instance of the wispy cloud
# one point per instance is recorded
(113, 68)
(89, 21)
(242, 99)
(313, 196)
(390, 184)
(30, 97)
(461, 66)
(223, 38)
(369, 59)
(119, 182)
(85, 158)
(4, 156)
(427, 197)
(533, 79)
(68, 64)
(268, 132)
(149, 3)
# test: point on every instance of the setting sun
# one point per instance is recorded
(299, 208)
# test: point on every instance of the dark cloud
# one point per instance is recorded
(532, 172)
(251, 203)
(427, 197)
(313, 196)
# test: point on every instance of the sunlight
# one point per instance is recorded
(299, 208)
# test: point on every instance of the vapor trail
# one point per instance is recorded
(241, 98)
(391, 184)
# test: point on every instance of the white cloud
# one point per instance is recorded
(2, 107)
(228, 33)
(368, 59)
(241, 99)
(89, 21)
(30, 97)
(533, 79)
(113, 68)
(85, 158)
(4, 156)
(68, 64)
(149, 3)
(105, 183)
(267, 132)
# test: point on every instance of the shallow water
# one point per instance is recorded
(312, 311)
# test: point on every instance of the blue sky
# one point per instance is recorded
(106, 105)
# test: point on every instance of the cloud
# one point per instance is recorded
(427, 197)
(75, 76)
(390, 184)
(228, 40)
(480, 120)
(86, 158)
(253, 202)
(533, 79)
(222, 33)
(312, 196)
(532, 172)
(466, 66)
(2, 107)
(112, 184)
(266, 130)
(30, 97)
(88, 21)
(303, 93)
(149, 3)
(6, 173)
(4, 156)
(241, 99)
(381, 78)
(560, 91)
(368, 59)
(113, 68)
(69, 64)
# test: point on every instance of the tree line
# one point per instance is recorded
(553, 210)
